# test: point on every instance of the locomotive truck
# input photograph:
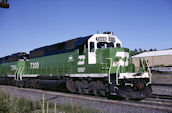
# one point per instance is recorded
(94, 65)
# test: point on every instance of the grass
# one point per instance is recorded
(67, 108)
(12, 104)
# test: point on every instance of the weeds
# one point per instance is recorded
(68, 108)
(11, 104)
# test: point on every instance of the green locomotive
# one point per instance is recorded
(96, 65)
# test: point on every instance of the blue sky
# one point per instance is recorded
(29, 24)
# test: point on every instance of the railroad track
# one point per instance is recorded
(151, 103)
(160, 96)
(162, 91)
(159, 84)
(157, 101)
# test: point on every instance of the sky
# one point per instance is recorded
(30, 24)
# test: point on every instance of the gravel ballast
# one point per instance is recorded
(101, 107)
(160, 78)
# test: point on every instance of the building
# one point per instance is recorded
(155, 58)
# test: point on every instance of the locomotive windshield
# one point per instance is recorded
(105, 45)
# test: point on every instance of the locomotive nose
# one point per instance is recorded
(129, 93)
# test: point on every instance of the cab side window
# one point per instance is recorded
(81, 49)
(118, 45)
(92, 49)
(100, 45)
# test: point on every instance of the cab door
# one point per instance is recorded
(91, 53)
(81, 58)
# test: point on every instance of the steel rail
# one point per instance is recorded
(160, 96)
(160, 84)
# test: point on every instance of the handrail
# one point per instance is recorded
(109, 70)
(150, 74)
(22, 68)
(15, 74)
(117, 73)
(142, 64)
(18, 72)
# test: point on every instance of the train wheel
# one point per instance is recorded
(147, 91)
(102, 93)
(86, 91)
(71, 86)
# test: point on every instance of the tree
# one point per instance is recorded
(154, 49)
(151, 49)
(131, 52)
(140, 50)
(135, 52)
(145, 50)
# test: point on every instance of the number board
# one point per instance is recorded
(112, 39)
(101, 39)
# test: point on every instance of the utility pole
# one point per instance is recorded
(4, 4)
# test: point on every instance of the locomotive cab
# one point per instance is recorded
(106, 50)
(100, 41)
